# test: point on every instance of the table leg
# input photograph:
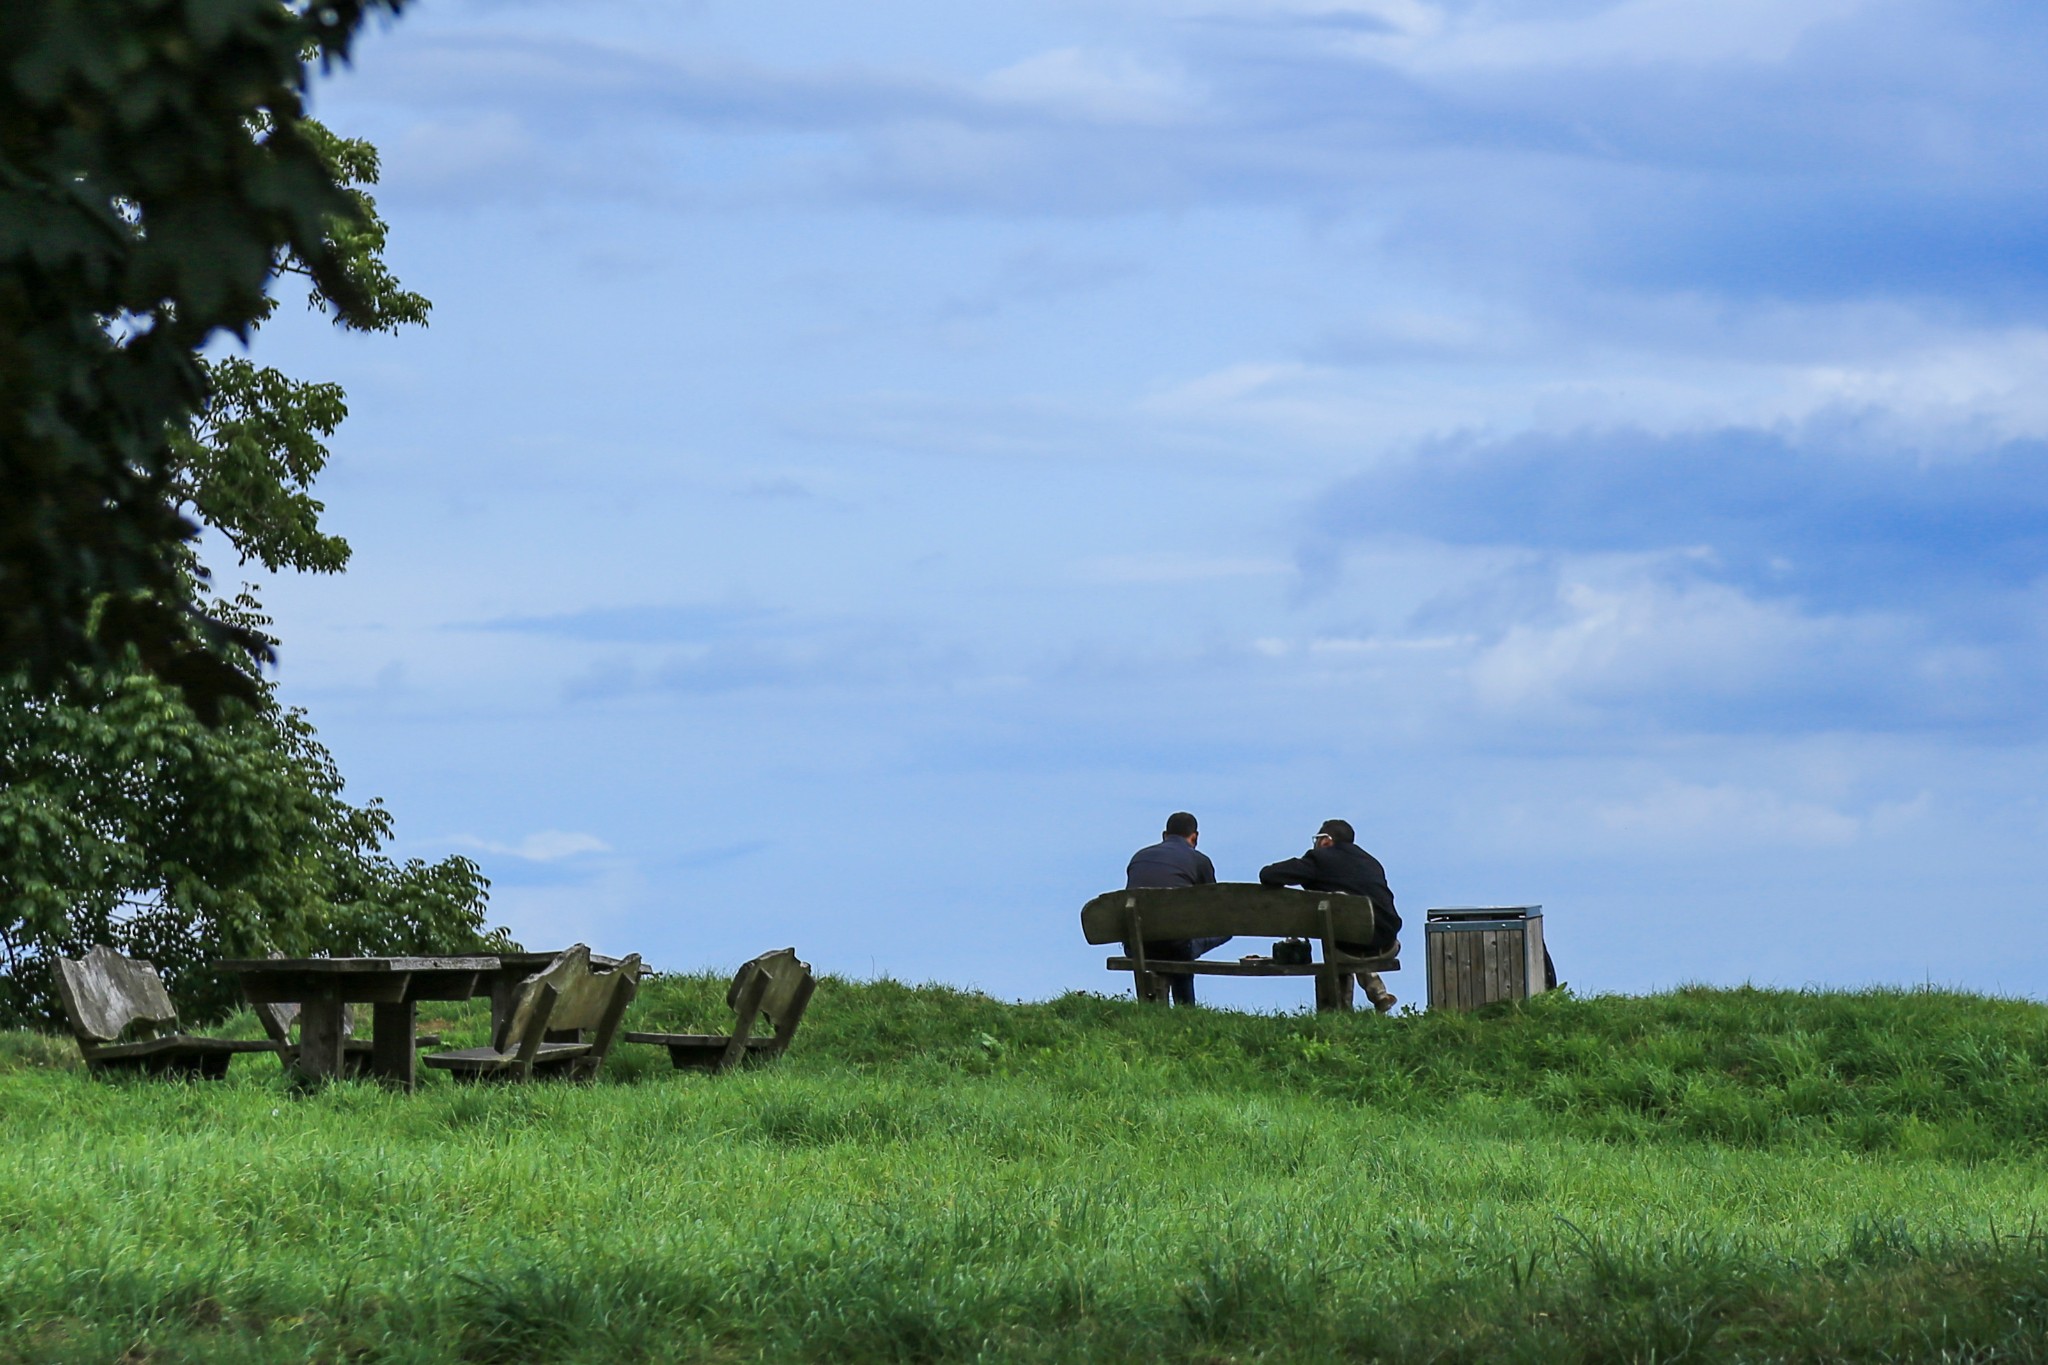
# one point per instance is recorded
(320, 1039)
(394, 1044)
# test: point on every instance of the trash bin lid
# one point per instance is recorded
(1478, 912)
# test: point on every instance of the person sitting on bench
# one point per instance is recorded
(1175, 861)
(1336, 863)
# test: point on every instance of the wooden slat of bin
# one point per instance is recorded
(1478, 964)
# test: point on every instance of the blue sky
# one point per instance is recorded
(869, 465)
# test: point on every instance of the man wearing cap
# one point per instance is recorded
(1175, 861)
(1336, 863)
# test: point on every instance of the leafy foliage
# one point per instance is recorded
(247, 463)
(156, 170)
(124, 820)
(181, 822)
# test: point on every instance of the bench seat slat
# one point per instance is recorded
(695, 1039)
(490, 1059)
(178, 1042)
(1229, 968)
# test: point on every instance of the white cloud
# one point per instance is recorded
(1177, 568)
(1204, 393)
(605, 910)
(1620, 635)
(542, 846)
(1095, 86)
(1637, 32)
(462, 152)
(1411, 17)
(1691, 815)
(1989, 381)
(1342, 646)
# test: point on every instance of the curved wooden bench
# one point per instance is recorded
(776, 986)
(108, 997)
(561, 1023)
(1239, 910)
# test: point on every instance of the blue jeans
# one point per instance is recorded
(1180, 988)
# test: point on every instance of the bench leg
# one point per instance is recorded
(1333, 991)
(1150, 986)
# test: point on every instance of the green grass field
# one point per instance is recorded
(932, 1175)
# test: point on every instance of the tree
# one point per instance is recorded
(126, 817)
(124, 820)
(156, 170)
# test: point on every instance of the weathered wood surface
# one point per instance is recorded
(589, 1009)
(1474, 962)
(526, 1026)
(394, 1044)
(775, 986)
(177, 1054)
(566, 997)
(360, 1056)
(1235, 908)
(107, 996)
(476, 1063)
(323, 1043)
(278, 1016)
(1231, 967)
(786, 989)
(514, 968)
(316, 992)
(1333, 992)
(356, 966)
(363, 980)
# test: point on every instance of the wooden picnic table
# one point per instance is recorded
(393, 986)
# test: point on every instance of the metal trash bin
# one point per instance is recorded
(1478, 954)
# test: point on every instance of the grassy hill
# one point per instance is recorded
(932, 1175)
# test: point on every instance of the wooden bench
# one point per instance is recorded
(774, 986)
(107, 996)
(1240, 910)
(561, 1022)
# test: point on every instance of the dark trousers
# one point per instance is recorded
(1181, 988)
(1382, 942)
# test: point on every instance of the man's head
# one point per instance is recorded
(1181, 825)
(1335, 832)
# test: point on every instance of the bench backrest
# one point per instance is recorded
(1226, 908)
(587, 996)
(592, 1003)
(775, 985)
(104, 994)
(527, 1022)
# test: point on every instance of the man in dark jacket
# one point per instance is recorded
(1336, 863)
(1175, 861)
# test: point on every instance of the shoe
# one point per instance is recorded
(1385, 1003)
